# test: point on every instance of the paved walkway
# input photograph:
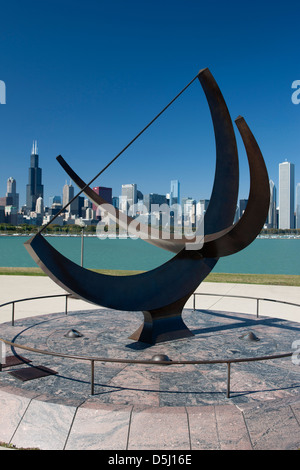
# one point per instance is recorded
(35, 422)
(30, 418)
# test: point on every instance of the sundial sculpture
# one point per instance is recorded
(162, 292)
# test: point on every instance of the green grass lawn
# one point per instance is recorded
(266, 279)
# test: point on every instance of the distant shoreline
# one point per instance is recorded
(259, 237)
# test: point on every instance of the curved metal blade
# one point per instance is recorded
(170, 282)
(222, 206)
(240, 235)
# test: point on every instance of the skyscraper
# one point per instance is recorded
(115, 202)
(105, 193)
(54, 200)
(34, 188)
(286, 195)
(152, 198)
(68, 194)
(39, 209)
(271, 220)
(298, 205)
(129, 198)
(12, 192)
(175, 192)
(243, 205)
(188, 210)
(202, 206)
(175, 202)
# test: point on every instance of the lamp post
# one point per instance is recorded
(82, 225)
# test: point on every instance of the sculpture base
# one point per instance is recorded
(162, 325)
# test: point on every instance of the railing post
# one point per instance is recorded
(257, 308)
(228, 380)
(194, 301)
(13, 314)
(2, 354)
(66, 305)
(92, 376)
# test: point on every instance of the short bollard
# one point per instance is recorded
(92, 376)
(228, 380)
(13, 314)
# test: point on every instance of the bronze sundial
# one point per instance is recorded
(162, 292)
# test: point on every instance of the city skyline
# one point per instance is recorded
(115, 75)
(174, 192)
(174, 189)
(283, 213)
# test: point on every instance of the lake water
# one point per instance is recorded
(263, 256)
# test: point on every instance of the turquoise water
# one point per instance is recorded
(263, 256)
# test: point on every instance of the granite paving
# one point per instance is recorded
(151, 406)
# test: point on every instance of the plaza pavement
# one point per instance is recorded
(31, 420)
(20, 287)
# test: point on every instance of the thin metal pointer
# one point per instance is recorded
(117, 156)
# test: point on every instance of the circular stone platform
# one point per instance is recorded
(105, 333)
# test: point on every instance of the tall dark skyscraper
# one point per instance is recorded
(34, 188)
(106, 194)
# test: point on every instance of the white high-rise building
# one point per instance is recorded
(129, 198)
(175, 201)
(298, 205)
(286, 195)
(11, 192)
(39, 208)
(68, 195)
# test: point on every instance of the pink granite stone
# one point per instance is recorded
(203, 428)
(12, 409)
(44, 425)
(99, 427)
(159, 428)
(232, 430)
(273, 425)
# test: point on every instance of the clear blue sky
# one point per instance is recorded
(83, 78)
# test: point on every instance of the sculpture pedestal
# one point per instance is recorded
(165, 324)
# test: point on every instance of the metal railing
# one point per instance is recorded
(13, 302)
(258, 300)
(93, 359)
